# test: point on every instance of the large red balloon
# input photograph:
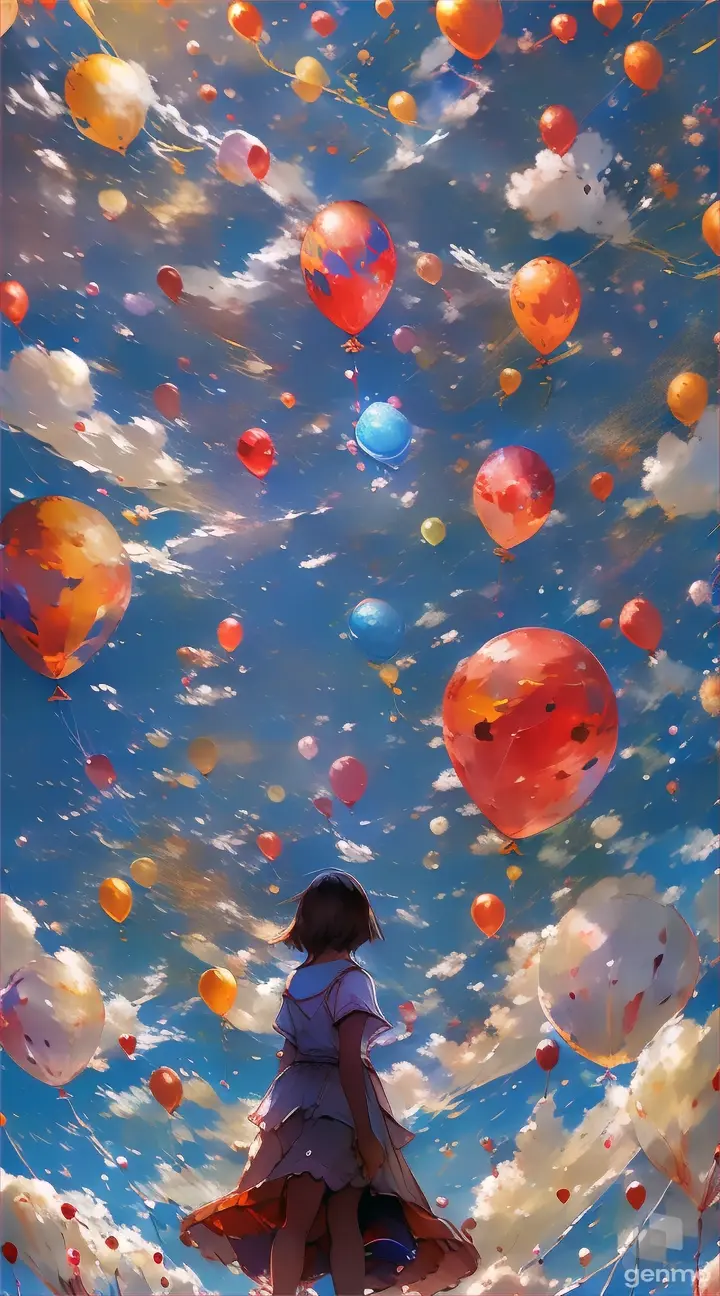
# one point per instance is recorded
(348, 264)
(170, 280)
(513, 495)
(558, 129)
(14, 301)
(101, 773)
(256, 452)
(348, 779)
(167, 400)
(641, 623)
(530, 724)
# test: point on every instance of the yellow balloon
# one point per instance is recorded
(275, 793)
(8, 14)
(510, 380)
(106, 100)
(115, 898)
(687, 397)
(402, 107)
(203, 755)
(364, 56)
(112, 201)
(218, 989)
(513, 872)
(144, 871)
(433, 530)
(389, 674)
(308, 93)
(311, 71)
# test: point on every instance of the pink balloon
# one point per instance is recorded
(348, 780)
(308, 747)
(395, 402)
(324, 805)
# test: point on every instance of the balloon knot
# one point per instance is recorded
(503, 555)
(510, 848)
(352, 346)
(59, 695)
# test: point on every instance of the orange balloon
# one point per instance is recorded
(14, 301)
(245, 20)
(558, 129)
(166, 1088)
(564, 26)
(287, 399)
(230, 634)
(269, 845)
(207, 93)
(606, 623)
(384, 8)
(513, 495)
(429, 267)
(687, 397)
(657, 173)
(607, 12)
(545, 301)
(488, 913)
(115, 898)
(641, 623)
(711, 227)
(643, 64)
(510, 380)
(601, 485)
(472, 26)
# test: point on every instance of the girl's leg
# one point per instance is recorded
(304, 1195)
(347, 1252)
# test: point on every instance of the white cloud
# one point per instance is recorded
(499, 1279)
(432, 58)
(448, 966)
(699, 847)
(559, 194)
(353, 852)
(588, 608)
(122, 1017)
(190, 1188)
(665, 676)
(410, 1091)
(467, 260)
(19, 944)
(287, 184)
(489, 842)
(159, 560)
(447, 781)
(39, 100)
(684, 475)
(459, 111)
(606, 826)
(265, 274)
(406, 155)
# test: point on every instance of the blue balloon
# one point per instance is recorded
(384, 433)
(377, 629)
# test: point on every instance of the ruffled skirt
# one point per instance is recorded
(305, 1128)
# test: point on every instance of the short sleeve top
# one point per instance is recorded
(310, 1015)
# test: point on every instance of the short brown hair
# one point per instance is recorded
(333, 913)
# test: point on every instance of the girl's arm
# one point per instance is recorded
(286, 1056)
(352, 1079)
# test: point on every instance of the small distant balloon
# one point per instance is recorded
(687, 397)
(608, 12)
(431, 861)
(207, 93)
(641, 623)
(115, 898)
(101, 772)
(308, 747)
(8, 1249)
(488, 913)
(276, 793)
(402, 107)
(112, 202)
(389, 674)
(256, 452)
(643, 65)
(384, 8)
(128, 1044)
(564, 27)
(404, 339)
(709, 694)
(167, 400)
(635, 1194)
(348, 780)
(170, 281)
(700, 592)
(166, 1088)
(429, 268)
(377, 629)
(203, 755)
(218, 989)
(323, 24)
(14, 301)
(288, 400)
(601, 485)
(245, 20)
(384, 433)
(584, 1256)
(558, 129)
(229, 634)
(144, 871)
(433, 530)
(269, 845)
(513, 873)
(510, 380)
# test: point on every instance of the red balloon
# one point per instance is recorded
(167, 400)
(158, 1257)
(488, 913)
(67, 1211)
(73, 1257)
(258, 161)
(564, 26)
(100, 772)
(641, 623)
(635, 1194)
(269, 845)
(170, 281)
(112, 1243)
(547, 1054)
(513, 495)
(14, 301)
(563, 1195)
(230, 634)
(324, 805)
(348, 779)
(128, 1044)
(601, 485)
(10, 1252)
(323, 23)
(256, 452)
(530, 724)
(348, 263)
(558, 129)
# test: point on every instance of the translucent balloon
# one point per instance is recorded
(614, 970)
(8, 14)
(472, 26)
(256, 452)
(643, 64)
(308, 747)
(51, 1018)
(269, 845)
(699, 593)
(348, 264)
(564, 27)
(545, 302)
(433, 530)
(101, 772)
(530, 725)
(429, 267)
(431, 861)
(711, 227)
(402, 107)
(65, 581)
(166, 1088)
(558, 129)
(488, 913)
(404, 339)
(230, 634)
(510, 380)
(107, 100)
(306, 91)
(377, 629)
(245, 20)
(144, 871)
(324, 805)
(218, 989)
(348, 779)
(389, 675)
(115, 898)
(687, 397)
(203, 755)
(14, 301)
(601, 485)
(438, 826)
(607, 12)
(311, 71)
(513, 873)
(641, 623)
(276, 794)
(242, 158)
(513, 495)
(113, 202)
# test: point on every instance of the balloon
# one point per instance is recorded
(687, 397)
(107, 100)
(112, 1243)
(323, 23)
(601, 485)
(348, 263)
(510, 380)
(144, 871)
(558, 129)
(166, 1088)
(100, 772)
(641, 623)
(256, 452)
(170, 281)
(324, 805)
(513, 495)
(377, 629)
(635, 1194)
(614, 970)
(488, 913)
(311, 71)
(709, 694)
(288, 400)
(564, 26)
(402, 107)
(308, 747)
(431, 860)
(128, 1044)
(276, 794)
(8, 14)
(389, 675)
(513, 873)
(404, 339)
(269, 845)
(384, 8)
(429, 267)
(115, 898)
(51, 1019)
(472, 26)
(433, 530)
(14, 301)
(167, 400)
(242, 158)
(348, 780)
(230, 634)
(306, 91)
(711, 227)
(203, 755)
(530, 725)
(218, 989)
(245, 20)
(8, 1249)
(438, 826)
(584, 1256)
(65, 583)
(384, 433)
(673, 1106)
(607, 12)
(547, 1054)
(68, 1211)
(112, 202)
(643, 64)
(699, 592)
(207, 93)
(545, 301)
(364, 56)
(563, 1195)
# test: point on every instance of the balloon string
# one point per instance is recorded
(172, 148)
(19, 1154)
(360, 102)
(696, 1279)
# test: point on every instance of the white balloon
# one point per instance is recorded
(51, 1018)
(438, 826)
(308, 747)
(700, 592)
(233, 154)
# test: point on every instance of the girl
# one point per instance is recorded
(326, 1187)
